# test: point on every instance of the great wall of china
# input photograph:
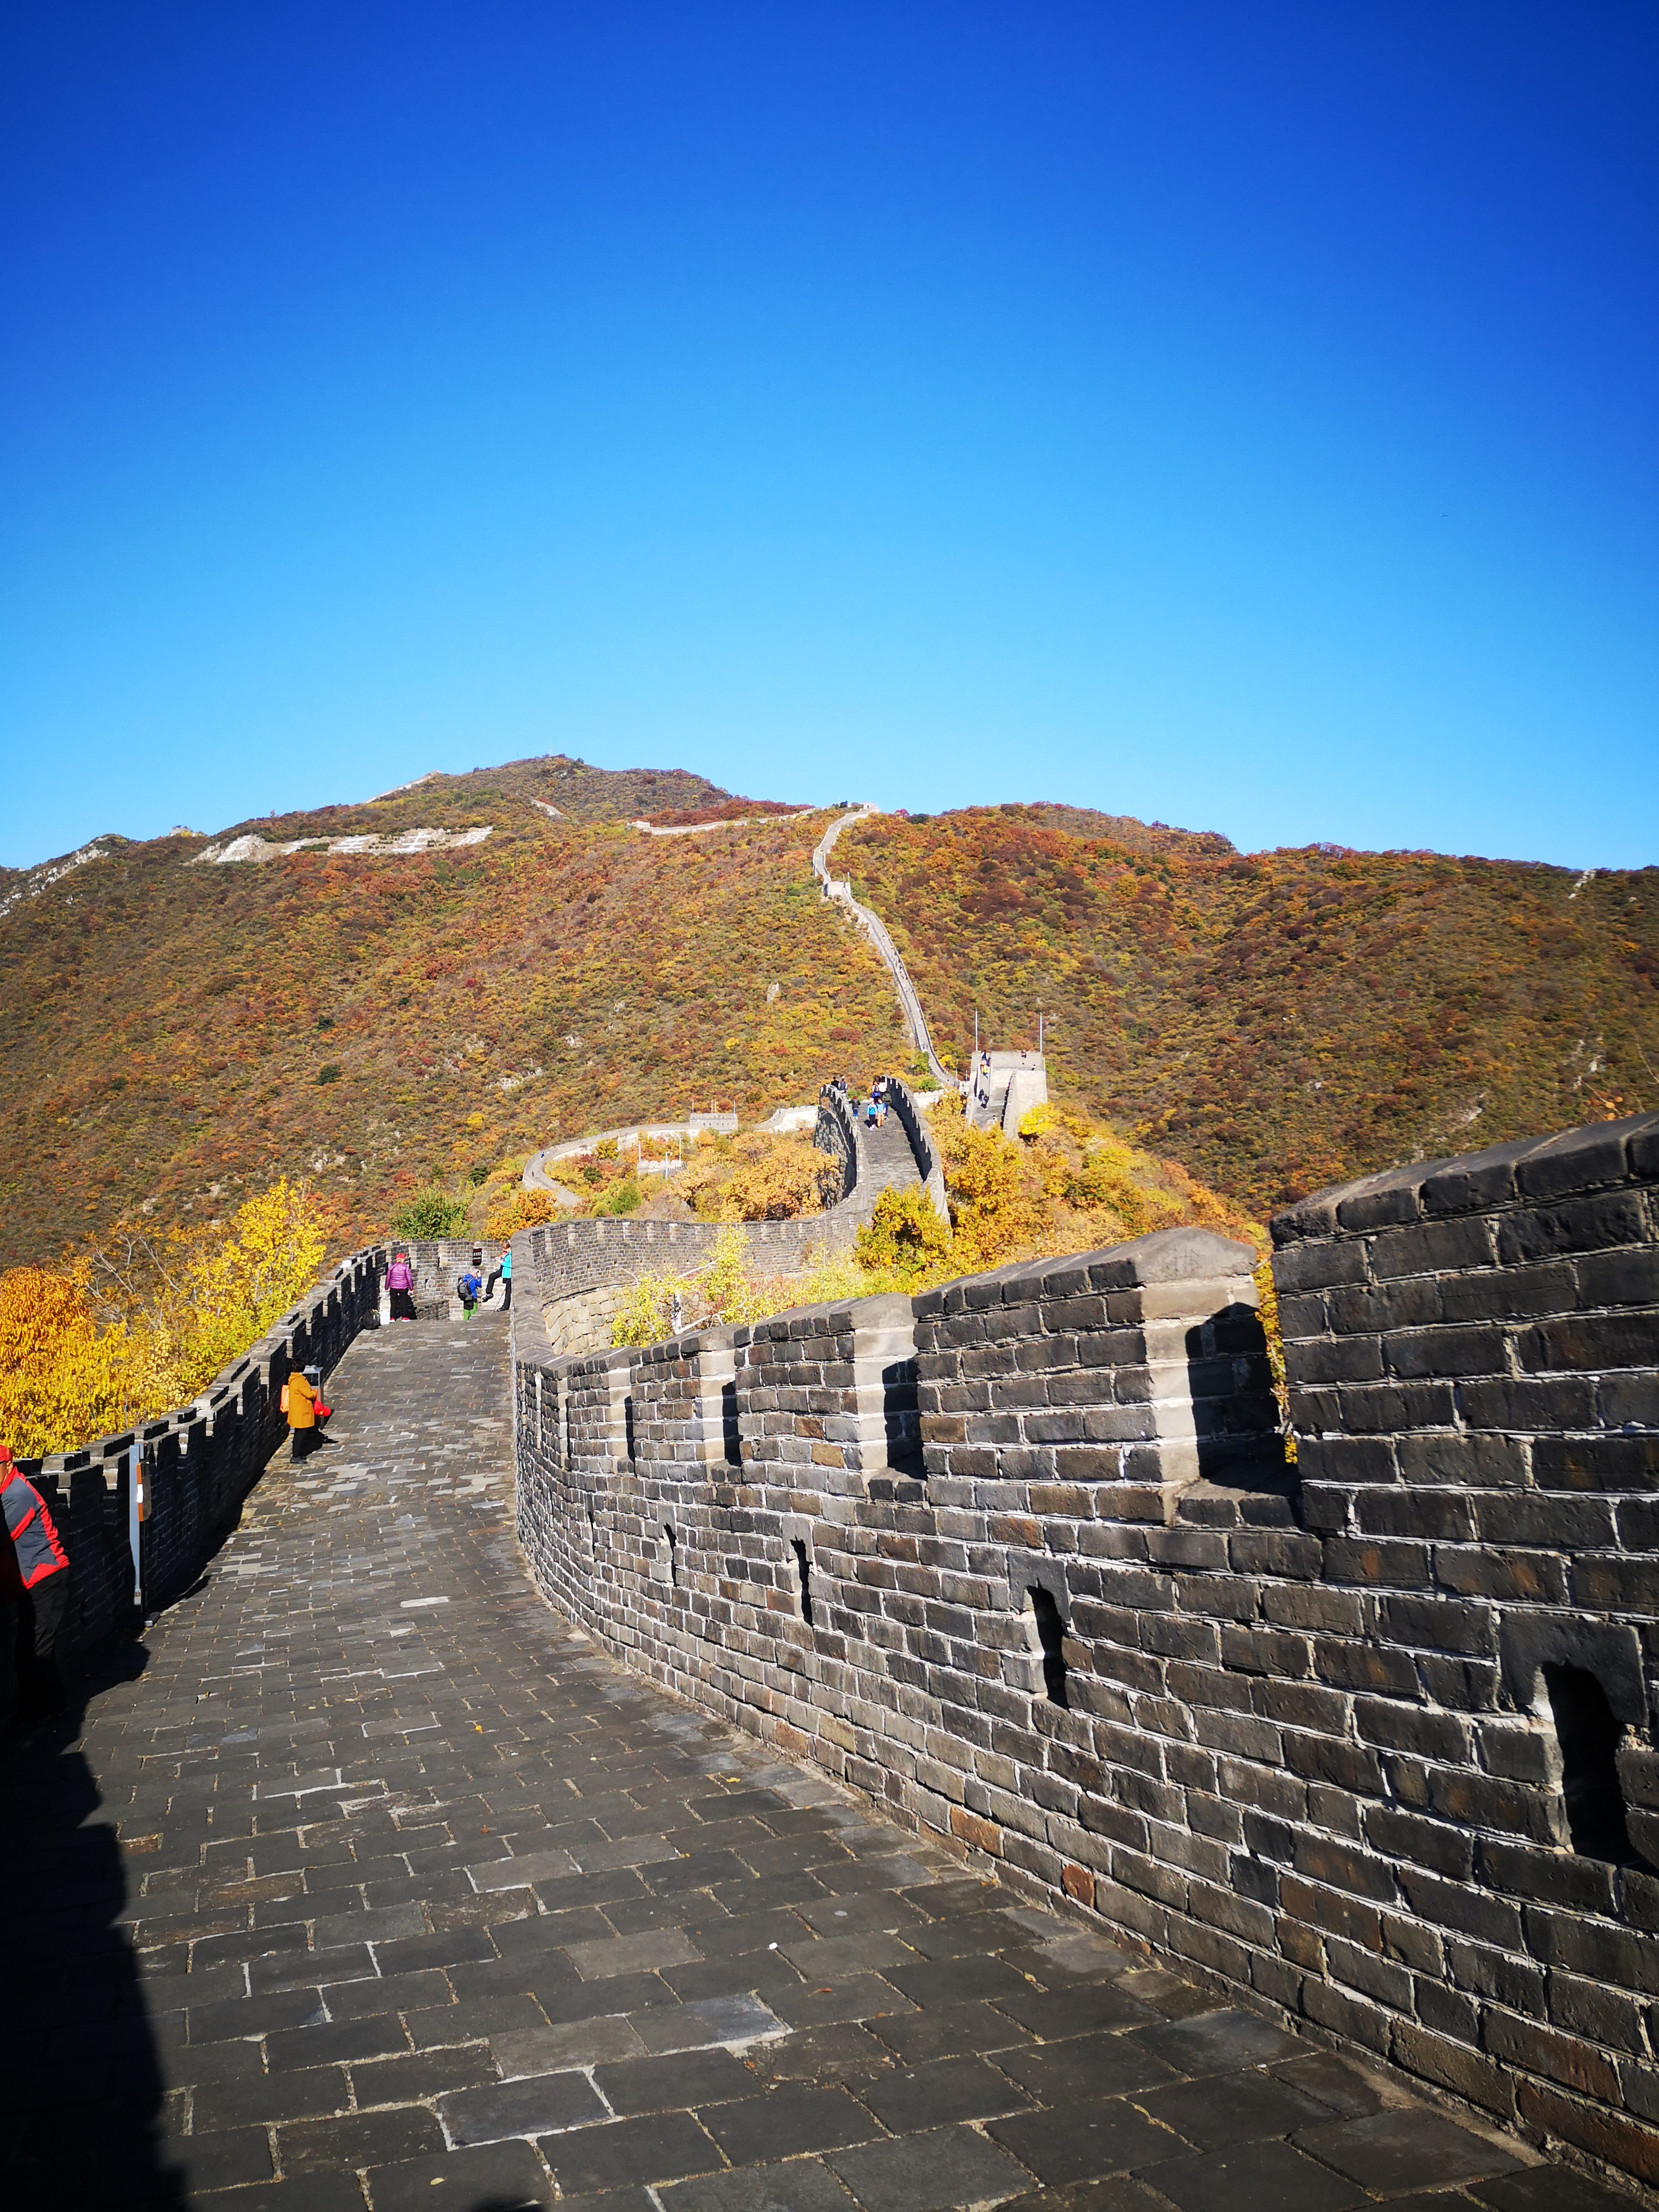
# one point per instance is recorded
(1366, 1739)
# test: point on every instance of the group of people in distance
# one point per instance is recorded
(471, 1288)
(873, 1111)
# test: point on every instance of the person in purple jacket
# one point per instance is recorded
(400, 1281)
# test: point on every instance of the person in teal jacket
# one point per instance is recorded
(503, 1275)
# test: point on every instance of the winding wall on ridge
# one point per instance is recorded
(1368, 1742)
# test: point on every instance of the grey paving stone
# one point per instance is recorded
(1084, 2067)
(650, 1952)
(788, 2122)
(1216, 2042)
(525, 2050)
(683, 2079)
(914, 2098)
(651, 2149)
(1234, 2108)
(916, 2037)
(825, 1957)
(258, 2099)
(883, 1912)
(853, 1997)
(736, 2021)
(538, 2105)
(420, 2074)
(955, 1981)
(472, 2022)
(320, 2045)
(845, 2051)
(1114, 2192)
(1260, 2176)
(1050, 2013)
(797, 2186)
(358, 2139)
(227, 2019)
(210, 2062)
(375, 1995)
(765, 1974)
(949, 2170)
(304, 2192)
(1390, 2151)
(1548, 2189)
(1335, 2082)
(634, 1994)
(503, 2177)
(1084, 2140)
(517, 1873)
(221, 2160)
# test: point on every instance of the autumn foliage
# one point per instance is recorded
(89, 1348)
(162, 1024)
(1275, 1021)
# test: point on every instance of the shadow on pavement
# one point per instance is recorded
(81, 2085)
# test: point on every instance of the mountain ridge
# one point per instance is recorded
(174, 1032)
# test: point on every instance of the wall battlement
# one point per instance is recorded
(1368, 1740)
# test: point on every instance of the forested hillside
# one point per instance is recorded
(1275, 1021)
(173, 1033)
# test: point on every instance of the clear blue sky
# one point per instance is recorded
(1241, 416)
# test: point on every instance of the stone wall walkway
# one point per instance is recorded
(368, 1883)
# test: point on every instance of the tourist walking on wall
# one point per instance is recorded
(400, 1281)
(467, 1291)
(299, 1404)
(34, 1589)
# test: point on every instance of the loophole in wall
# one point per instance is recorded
(804, 1573)
(1588, 1736)
(1051, 1638)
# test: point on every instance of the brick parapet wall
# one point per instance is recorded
(1284, 1726)
(1471, 1350)
(580, 1255)
(202, 1461)
(929, 1166)
(837, 1131)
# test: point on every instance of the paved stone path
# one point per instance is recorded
(379, 1886)
(889, 1163)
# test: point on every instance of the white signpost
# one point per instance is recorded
(138, 1514)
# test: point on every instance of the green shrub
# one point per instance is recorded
(329, 1072)
(621, 1198)
(429, 1214)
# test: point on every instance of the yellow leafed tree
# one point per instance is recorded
(61, 1378)
(64, 1379)
(234, 1292)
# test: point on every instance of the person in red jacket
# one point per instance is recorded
(35, 1575)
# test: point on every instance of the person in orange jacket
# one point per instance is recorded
(34, 1583)
(299, 1396)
